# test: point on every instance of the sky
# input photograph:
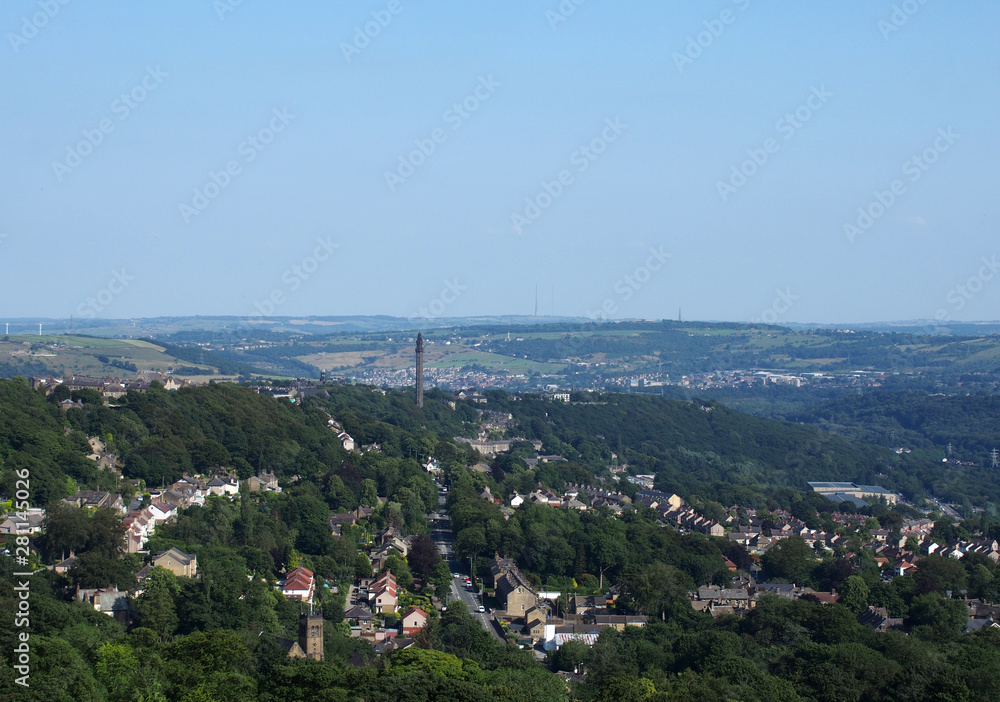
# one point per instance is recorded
(735, 159)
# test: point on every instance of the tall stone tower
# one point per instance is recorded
(311, 634)
(420, 369)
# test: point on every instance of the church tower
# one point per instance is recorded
(420, 369)
(311, 634)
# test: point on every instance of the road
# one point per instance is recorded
(443, 538)
(948, 510)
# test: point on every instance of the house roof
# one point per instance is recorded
(977, 624)
(68, 563)
(177, 555)
(358, 612)
(630, 619)
(297, 583)
(415, 610)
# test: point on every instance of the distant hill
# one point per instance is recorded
(62, 355)
(573, 353)
(237, 326)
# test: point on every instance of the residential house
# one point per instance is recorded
(659, 500)
(265, 482)
(361, 618)
(94, 499)
(300, 584)
(139, 527)
(715, 529)
(380, 556)
(877, 619)
(592, 604)
(144, 573)
(620, 621)
(574, 503)
(62, 567)
(392, 643)
(414, 620)
(26, 522)
(535, 620)
(709, 598)
(346, 441)
(977, 624)
(220, 485)
(111, 601)
(181, 564)
(472, 396)
(513, 592)
(384, 593)
(339, 520)
(161, 511)
(982, 610)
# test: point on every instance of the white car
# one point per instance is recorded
(482, 608)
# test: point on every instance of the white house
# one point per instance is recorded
(223, 486)
(162, 511)
(346, 441)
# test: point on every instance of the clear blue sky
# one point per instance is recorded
(876, 94)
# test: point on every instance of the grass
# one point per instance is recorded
(77, 355)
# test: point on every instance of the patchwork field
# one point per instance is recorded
(85, 355)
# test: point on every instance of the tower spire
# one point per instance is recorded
(420, 369)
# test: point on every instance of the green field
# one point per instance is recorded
(78, 355)
(497, 362)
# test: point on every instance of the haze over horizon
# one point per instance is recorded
(627, 159)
